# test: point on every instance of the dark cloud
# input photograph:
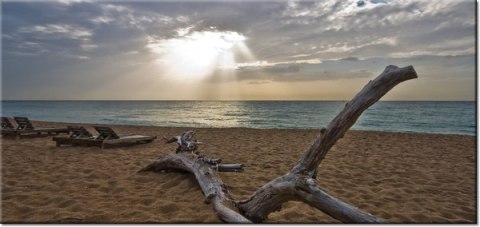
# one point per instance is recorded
(262, 75)
(428, 67)
(349, 59)
(365, 35)
(282, 68)
(300, 72)
(379, 1)
(276, 30)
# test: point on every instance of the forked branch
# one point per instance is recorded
(300, 182)
(304, 171)
(370, 94)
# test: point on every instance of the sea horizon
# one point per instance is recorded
(440, 117)
(228, 100)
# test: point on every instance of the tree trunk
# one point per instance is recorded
(300, 182)
(213, 188)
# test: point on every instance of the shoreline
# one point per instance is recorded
(46, 123)
(400, 177)
(415, 117)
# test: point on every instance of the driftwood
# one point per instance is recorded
(300, 182)
(186, 159)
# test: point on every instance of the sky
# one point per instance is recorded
(235, 50)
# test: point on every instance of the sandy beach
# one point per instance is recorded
(400, 177)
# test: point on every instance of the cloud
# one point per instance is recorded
(263, 72)
(125, 16)
(184, 31)
(379, 1)
(70, 2)
(297, 73)
(55, 31)
(289, 41)
(350, 59)
(338, 29)
(430, 67)
(282, 69)
(88, 47)
(102, 20)
(73, 28)
(51, 39)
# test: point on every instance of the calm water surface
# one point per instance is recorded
(429, 117)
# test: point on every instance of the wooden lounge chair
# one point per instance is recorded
(7, 127)
(25, 128)
(6, 124)
(78, 136)
(79, 132)
(109, 137)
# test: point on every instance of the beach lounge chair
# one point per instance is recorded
(79, 132)
(109, 137)
(6, 124)
(78, 136)
(25, 128)
(81, 137)
(23, 123)
(7, 127)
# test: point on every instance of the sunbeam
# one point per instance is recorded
(198, 54)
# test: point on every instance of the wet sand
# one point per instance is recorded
(401, 177)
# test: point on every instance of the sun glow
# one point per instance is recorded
(198, 54)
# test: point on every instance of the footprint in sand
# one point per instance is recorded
(447, 214)
(143, 179)
(93, 185)
(468, 216)
(11, 183)
(66, 203)
(148, 201)
(291, 215)
(467, 209)
(366, 197)
(87, 171)
(118, 190)
(172, 182)
(76, 208)
(105, 189)
(168, 208)
(20, 198)
(25, 210)
(420, 218)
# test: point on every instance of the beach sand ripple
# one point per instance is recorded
(403, 178)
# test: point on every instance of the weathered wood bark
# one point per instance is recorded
(300, 182)
(229, 167)
(334, 207)
(370, 94)
(213, 188)
(187, 159)
(260, 204)
(185, 142)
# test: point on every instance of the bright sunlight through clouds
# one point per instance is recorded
(198, 54)
(235, 50)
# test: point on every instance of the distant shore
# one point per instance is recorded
(400, 177)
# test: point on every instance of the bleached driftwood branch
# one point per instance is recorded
(187, 159)
(300, 182)
(213, 188)
(185, 142)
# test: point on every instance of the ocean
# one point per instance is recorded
(395, 116)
